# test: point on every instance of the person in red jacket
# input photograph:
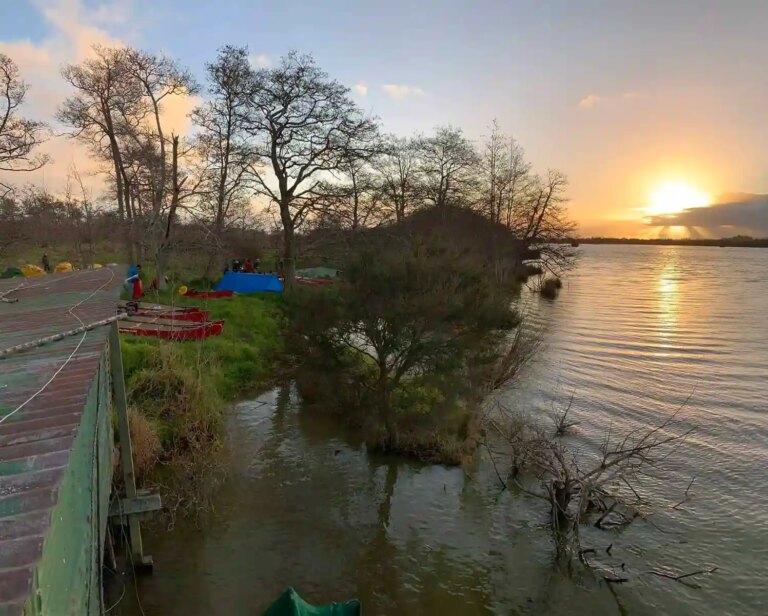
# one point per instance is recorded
(248, 267)
(133, 282)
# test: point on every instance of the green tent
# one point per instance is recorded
(291, 604)
(12, 272)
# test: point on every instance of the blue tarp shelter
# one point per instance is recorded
(249, 283)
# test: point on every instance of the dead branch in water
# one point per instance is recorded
(685, 496)
(562, 425)
(681, 577)
(574, 488)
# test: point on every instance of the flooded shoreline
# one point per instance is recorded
(633, 335)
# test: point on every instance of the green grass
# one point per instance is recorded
(238, 361)
(183, 388)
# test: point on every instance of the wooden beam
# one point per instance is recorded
(140, 561)
(124, 507)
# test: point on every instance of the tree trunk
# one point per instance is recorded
(161, 257)
(385, 415)
(289, 265)
(162, 253)
(561, 493)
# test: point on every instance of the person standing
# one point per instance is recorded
(133, 282)
(46, 264)
(248, 266)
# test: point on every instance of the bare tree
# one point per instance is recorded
(118, 110)
(352, 201)
(400, 177)
(540, 220)
(159, 78)
(305, 125)
(448, 163)
(19, 136)
(495, 173)
(103, 113)
(81, 213)
(519, 181)
(225, 156)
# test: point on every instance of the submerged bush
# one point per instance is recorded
(551, 287)
(392, 343)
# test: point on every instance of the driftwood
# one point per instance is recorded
(683, 578)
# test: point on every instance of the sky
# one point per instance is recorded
(623, 96)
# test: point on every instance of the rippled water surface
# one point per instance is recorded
(636, 332)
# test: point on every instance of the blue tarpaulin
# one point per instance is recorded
(249, 283)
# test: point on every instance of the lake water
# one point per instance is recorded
(636, 331)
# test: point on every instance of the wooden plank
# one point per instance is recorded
(124, 507)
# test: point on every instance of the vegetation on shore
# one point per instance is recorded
(178, 391)
(406, 345)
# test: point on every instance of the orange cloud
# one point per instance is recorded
(589, 101)
(73, 31)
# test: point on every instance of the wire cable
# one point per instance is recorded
(71, 355)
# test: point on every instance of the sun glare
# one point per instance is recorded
(674, 197)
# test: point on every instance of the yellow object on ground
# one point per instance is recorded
(183, 290)
(64, 266)
(32, 270)
(97, 266)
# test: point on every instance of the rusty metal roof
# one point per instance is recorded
(35, 440)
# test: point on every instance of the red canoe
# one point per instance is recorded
(177, 313)
(197, 315)
(168, 329)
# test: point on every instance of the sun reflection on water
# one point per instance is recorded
(668, 299)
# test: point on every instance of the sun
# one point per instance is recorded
(674, 197)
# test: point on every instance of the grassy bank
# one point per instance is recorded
(178, 391)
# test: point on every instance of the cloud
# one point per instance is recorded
(400, 91)
(589, 101)
(72, 29)
(260, 60)
(360, 88)
(742, 213)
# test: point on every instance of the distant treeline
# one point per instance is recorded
(740, 241)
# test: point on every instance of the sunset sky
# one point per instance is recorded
(642, 104)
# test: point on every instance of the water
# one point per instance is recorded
(636, 331)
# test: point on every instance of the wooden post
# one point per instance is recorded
(140, 561)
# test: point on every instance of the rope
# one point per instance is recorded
(23, 287)
(61, 335)
(71, 355)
